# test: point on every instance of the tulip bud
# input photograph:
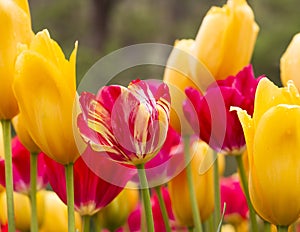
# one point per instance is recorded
(15, 28)
(290, 63)
(22, 209)
(272, 138)
(115, 214)
(226, 38)
(204, 190)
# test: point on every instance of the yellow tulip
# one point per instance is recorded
(45, 87)
(15, 27)
(226, 38)
(56, 215)
(23, 135)
(115, 214)
(290, 62)
(203, 184)
(272, 138)
(22, 209)
(178, 76)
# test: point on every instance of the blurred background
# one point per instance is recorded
(102, 26)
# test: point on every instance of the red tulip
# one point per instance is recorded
(210, 115)
(130, 124)
(91, 192)
(21, 168)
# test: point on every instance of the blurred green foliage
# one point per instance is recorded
(102, 26)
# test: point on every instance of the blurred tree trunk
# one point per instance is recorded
(101, 13)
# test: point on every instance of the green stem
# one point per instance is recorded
(267, 226)
(193, 198)
(8, 174)
(33, 179)
(86, 221)
(70, 196)
(246, 191)
(217, 211)
(146, 197)
(163, 208)
(282, 228)
(190, 229)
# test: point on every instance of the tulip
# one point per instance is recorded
(21, 169)
(15, 27)
(210, 115)
(226, 38)
(130, 124)
(236, 204)
(22, 210)
(203, 184)
(115, 214)
(290, 63)
(55, 215)
(91, 192)
(272, 143)
(46, 80)
(178, 76)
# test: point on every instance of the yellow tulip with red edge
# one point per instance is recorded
(56, 215)
(22, 210)
(45, 87)
(226, 39)
(203, 184)
(15, 27)
(272, 138)
(290, 63)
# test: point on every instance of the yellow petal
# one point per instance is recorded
(275, 185)
(290, 62)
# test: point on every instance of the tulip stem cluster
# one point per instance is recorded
(8, 174)
(217, 211)
(33, 177)
(195, 210)
(146, 197)
(244, 182)
(163, 208)
(70, 196)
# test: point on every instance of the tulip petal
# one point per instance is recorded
(278, 156)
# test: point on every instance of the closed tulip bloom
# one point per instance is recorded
(129, 124)
(210, 114)
(178, 76)
(22, 210)
(15, 27)
(272, 137)
(203, 184)
(21, 169)
(56, 215)
(290, 63)
(226, 38)
(46, 80)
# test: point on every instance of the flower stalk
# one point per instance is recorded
(33, 180)
(163, 208)
(217, 211)
(146, 197)
(70, 196)
(8, 174)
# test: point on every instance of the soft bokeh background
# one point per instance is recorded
(102, 26)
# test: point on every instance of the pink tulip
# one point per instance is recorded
(210, 115)
(21, 168)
